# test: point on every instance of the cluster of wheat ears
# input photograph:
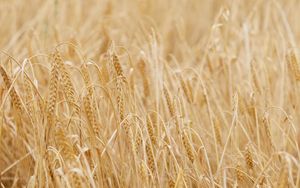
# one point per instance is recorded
(149, 93)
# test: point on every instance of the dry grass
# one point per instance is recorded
(149, 93)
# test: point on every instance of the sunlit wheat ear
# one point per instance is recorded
(187, 146)
(15, 99)
(138, 141)
(249, 159)
(168, 158)
(53, 89)
(76, 180)
(87, 79)
(68, 154)
(294, 65)
(155, 123)
(63, 143)
(267, 131)
(28, 96)
(171, 182)
(190, 89)
(120, 81)
(150, 130)
(90, 114)
(143, 172)
(120, 101)
(118, 69)
(186, 90)
(142, 69)
(126, 126)
(239, 174)
(150, 158)
(121, 105)
(169, 102)
(171, 108)
(117, 65)
(133, 145)
(13, 94)
(66, 81)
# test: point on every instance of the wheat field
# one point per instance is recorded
(149, 93)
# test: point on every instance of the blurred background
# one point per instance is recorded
(42, 24)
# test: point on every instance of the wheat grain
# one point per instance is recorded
(249, 159)
(53, 89)
(150, 158)
(188, 147)
(150, 130)
(14, 96)
(90, 114)
(66, 81)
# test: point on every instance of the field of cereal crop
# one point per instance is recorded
(149, 93)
